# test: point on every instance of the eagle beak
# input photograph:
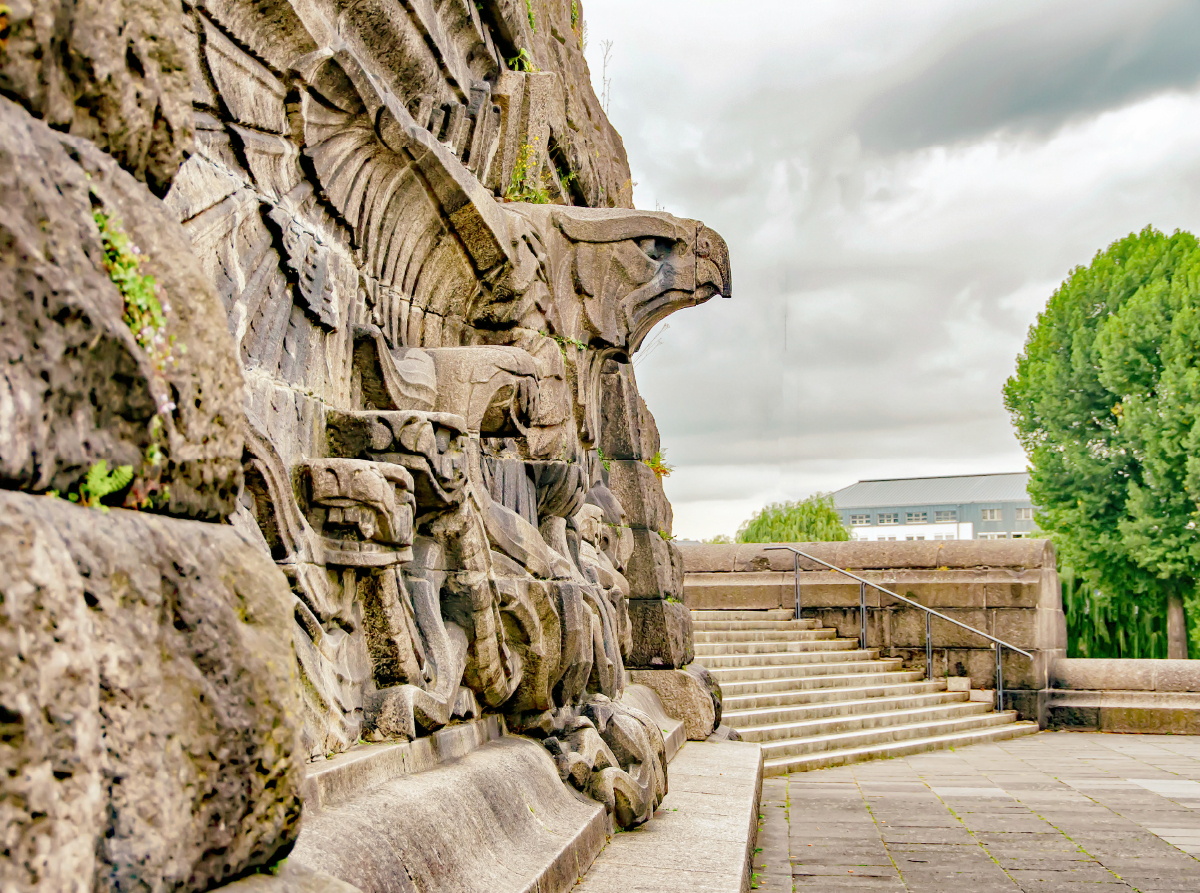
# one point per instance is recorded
(712, 265)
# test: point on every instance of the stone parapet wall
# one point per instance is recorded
(1007, 589)
(1098, 674)
(1111, 695)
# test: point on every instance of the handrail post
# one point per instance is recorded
(929, 646)
(796, 566)
(999, 680)
(862, 616)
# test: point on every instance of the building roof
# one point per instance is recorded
(954, 490)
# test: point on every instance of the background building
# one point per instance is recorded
(960, 507)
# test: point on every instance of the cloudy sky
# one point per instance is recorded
(902, 184)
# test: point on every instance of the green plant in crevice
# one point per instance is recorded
(98, 483)
(522, 61)
(532, 19)
(525, 185)
(564, 342)
(146, 316)
(574, 14)
(604, 460)
(658, 465)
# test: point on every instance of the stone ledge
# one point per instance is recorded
(496, 820)
(1128, 712)
(703, 835)
(947, 554)
(363, 769)
(1097, 674)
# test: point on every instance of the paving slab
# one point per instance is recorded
(1057, 812)
(703, 834)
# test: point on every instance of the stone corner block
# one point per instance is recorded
(685, 696)
(148, 662)
(662, 635)
(655, 568)
(640, 493)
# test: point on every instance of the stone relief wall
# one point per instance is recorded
(399, 406)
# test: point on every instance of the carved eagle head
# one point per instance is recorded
(615, 273)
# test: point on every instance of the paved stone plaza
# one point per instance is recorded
(1056, 811)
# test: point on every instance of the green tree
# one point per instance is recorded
(805, 521)
(1106, 402)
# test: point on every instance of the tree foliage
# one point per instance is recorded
(806, 521)
(1106, 402)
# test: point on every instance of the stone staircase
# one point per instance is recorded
(813, 700)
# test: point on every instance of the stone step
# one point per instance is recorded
(798, 670)
(726, 649)
(787, 658)
(772, 614)
(769, 684)
(869, 737)
(829, 694)
(764, 635)
(712, 625)
(812, 699)
(819, 682)
(846, 755)
(779, 715)
(792, 732)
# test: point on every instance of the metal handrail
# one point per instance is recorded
(998, 644)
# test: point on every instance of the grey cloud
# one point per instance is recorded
(904, 276)
(1036, 72)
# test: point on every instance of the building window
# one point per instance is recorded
(993, 536)
(945, 517)
(914, 537)
(1019, 536)
(860, 520)
(991, 514)
(887, 539)
(1025, 514)
(889, 517)
(944, 536)
(916, 517)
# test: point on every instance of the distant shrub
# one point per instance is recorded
(806, 521)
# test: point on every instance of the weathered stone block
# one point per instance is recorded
(1130, 712)
(1020, 591)
(182, 666)
(662, 635)
(620, 436)
(640, 493)
(1017, 626)
(747, 592)
(50, 797)
(648, 429)
(689, 695)
(111, 71)
(77, 386)
(654, 570)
